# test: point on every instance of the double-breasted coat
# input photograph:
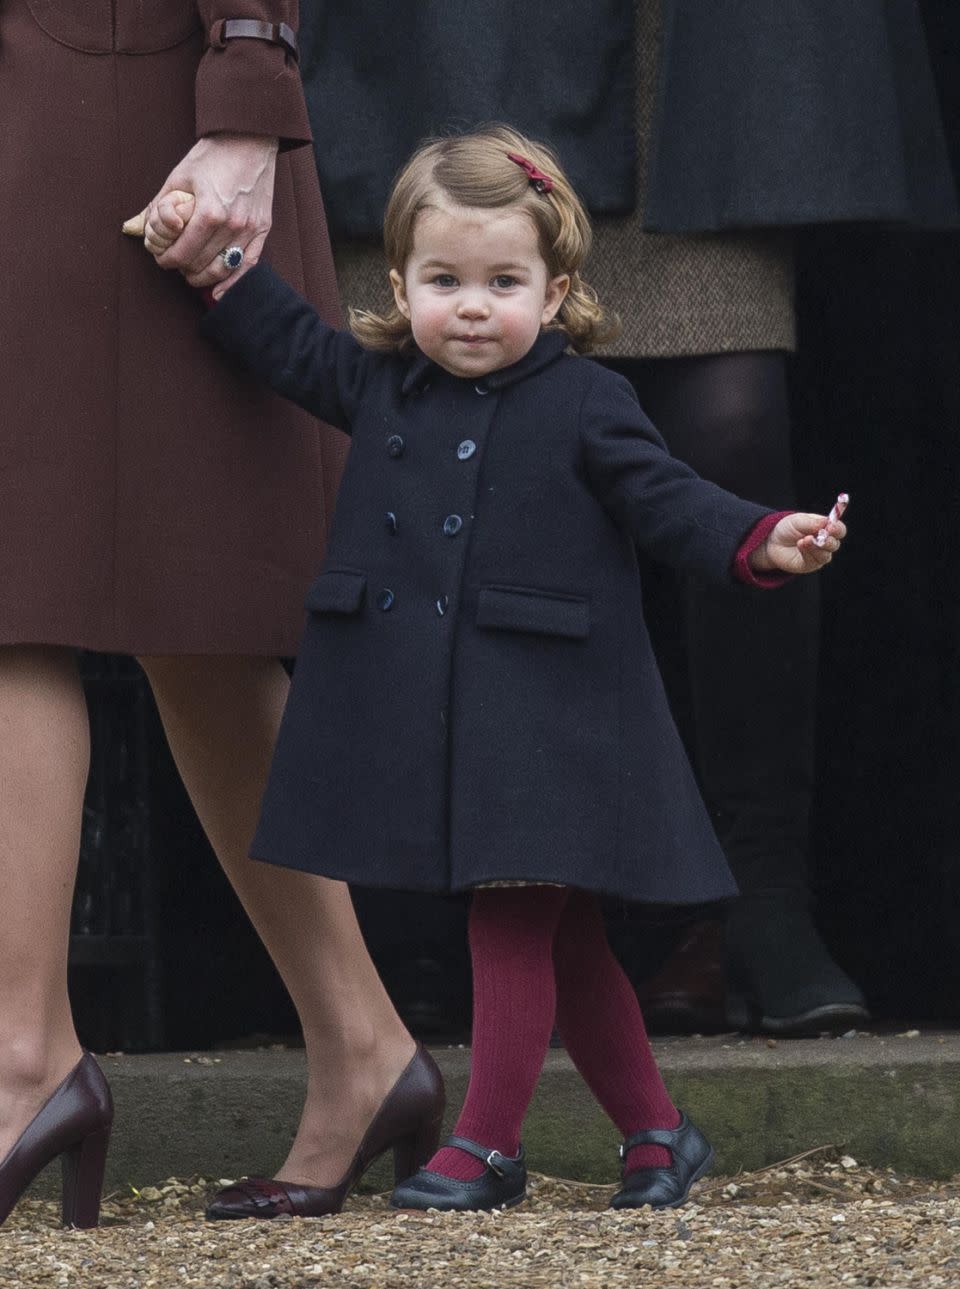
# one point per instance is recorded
(473, 700)
(152, 500)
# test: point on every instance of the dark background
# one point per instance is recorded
(162, 953)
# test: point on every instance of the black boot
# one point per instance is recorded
(753, 669)
(781, 978)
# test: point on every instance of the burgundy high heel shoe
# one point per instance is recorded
(408, 1122)
(74, 1122)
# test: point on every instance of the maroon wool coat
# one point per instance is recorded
(151, 500)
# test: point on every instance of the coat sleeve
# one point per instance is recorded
(670, 512)
(279, 337)
(248, 85)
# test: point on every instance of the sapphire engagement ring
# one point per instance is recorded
(232, 257)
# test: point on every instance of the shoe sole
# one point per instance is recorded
(832, 1018)
(432, 1208)
(829, 1018)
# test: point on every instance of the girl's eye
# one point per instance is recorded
(445, 279)
(503, 281)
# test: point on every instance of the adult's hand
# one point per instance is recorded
(231, 177)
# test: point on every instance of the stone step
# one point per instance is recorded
(888, 1100)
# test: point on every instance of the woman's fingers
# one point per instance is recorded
(214, 273)
(251, 256)
(202, 240)
(220, 275)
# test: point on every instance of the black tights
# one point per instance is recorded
(726, 415)
(740, 666)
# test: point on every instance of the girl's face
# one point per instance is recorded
(475, 287)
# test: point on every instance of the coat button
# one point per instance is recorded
(395, 445)
(442, 605)
(482, 388)
(452, 525)
(466, 449)
(385, 600)
(392, 525)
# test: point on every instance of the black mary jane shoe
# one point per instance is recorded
(502, 1184)
(665, 1187)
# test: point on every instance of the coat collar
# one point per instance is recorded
(548, 346)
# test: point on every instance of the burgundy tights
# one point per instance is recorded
(540, 956)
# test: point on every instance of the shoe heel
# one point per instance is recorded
(412, 1152)
(83, 1169)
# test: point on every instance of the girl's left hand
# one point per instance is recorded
(791, 547)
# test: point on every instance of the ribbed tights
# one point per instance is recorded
(540, 955)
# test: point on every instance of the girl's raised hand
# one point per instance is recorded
(791, 547)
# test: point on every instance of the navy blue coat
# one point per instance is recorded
(475, 697)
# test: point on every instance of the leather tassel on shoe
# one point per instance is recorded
(408, 1123)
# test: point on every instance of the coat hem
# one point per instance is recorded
(630, 896)
(133, 649)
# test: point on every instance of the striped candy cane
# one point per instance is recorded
(839, 507)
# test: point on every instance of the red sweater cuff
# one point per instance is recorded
(757, 535)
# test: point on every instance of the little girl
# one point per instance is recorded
(476, 704)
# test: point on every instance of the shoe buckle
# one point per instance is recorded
(495, 1167)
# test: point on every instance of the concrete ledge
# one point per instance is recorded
(887, 1100)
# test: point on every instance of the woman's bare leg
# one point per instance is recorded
(44, 761)
(221, 717)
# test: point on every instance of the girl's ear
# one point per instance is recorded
(557, 289)
(400, 293)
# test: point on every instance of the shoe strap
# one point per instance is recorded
(671, 1138)
(494, 1159)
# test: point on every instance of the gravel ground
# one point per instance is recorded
(818, 1219)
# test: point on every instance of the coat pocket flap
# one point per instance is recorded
(336, 591)
(549, 613)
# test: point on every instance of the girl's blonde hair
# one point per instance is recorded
(475, 170)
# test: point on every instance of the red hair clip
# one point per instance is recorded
(540, 181)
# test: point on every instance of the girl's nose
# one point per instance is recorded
(472, 305)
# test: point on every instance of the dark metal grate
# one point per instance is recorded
(114, 949)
